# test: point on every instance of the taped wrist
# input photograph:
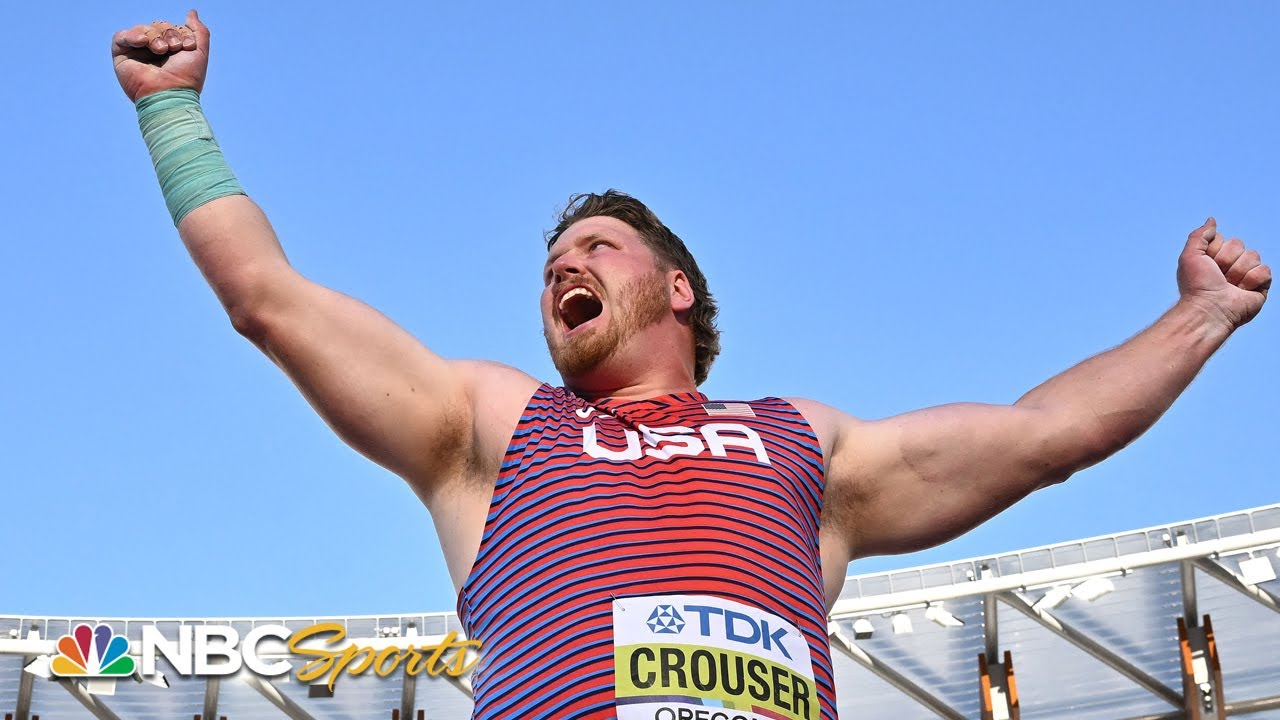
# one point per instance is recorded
(188, 161)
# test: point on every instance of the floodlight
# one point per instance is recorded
(1093, 588)
(40, 667)
(100, 685)
(1052, 599)
(901, 623)
(159, 680)
(862, 629)
(940, 616)
(1257, 570)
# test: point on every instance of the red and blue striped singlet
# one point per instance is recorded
(685, 530)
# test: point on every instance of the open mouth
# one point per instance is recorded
(579, 306)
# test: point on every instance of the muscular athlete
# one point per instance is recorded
(562, 511)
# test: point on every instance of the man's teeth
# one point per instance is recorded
(574, 293)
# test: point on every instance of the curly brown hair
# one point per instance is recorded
(671, 254)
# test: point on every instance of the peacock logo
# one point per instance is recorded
(92, 652)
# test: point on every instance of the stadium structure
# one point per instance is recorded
(1177, 621)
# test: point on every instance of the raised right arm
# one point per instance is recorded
(380, 389)
(424, 418)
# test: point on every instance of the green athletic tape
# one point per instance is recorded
(189, 163)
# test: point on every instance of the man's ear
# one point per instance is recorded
(681, 292)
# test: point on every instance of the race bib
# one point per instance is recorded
(692, 657)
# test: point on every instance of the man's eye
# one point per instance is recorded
(599, 243)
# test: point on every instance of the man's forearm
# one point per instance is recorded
(187, 158)
(227, 234)
(1107, 401)
(236, 249)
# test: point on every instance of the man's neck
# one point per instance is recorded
(655, 361)
(632, 391)
(635, 376)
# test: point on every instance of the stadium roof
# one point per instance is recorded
(1091, 626)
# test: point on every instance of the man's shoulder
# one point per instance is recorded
(835, 428)
(814, 411)
(489, 376)
(498, 395)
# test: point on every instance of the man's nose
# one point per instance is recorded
(564, 267)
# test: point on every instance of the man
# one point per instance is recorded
(622, 546)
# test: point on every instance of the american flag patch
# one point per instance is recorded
(733, 409)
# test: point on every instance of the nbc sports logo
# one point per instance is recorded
(92, 652)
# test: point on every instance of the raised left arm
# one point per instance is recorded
(915, 480)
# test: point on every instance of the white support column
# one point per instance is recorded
(1188, 575)
(409, 686)
(991, 627)
(25, 685)
(210, 698)
(997, 686)
(407, 693)
(26, 681)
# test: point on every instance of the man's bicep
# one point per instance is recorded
(916, 480)
(377, 386)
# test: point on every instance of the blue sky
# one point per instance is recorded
(897, 204)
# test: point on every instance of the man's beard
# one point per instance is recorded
(641, 303)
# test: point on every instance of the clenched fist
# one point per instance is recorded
(1222, 276)
(161, 56)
